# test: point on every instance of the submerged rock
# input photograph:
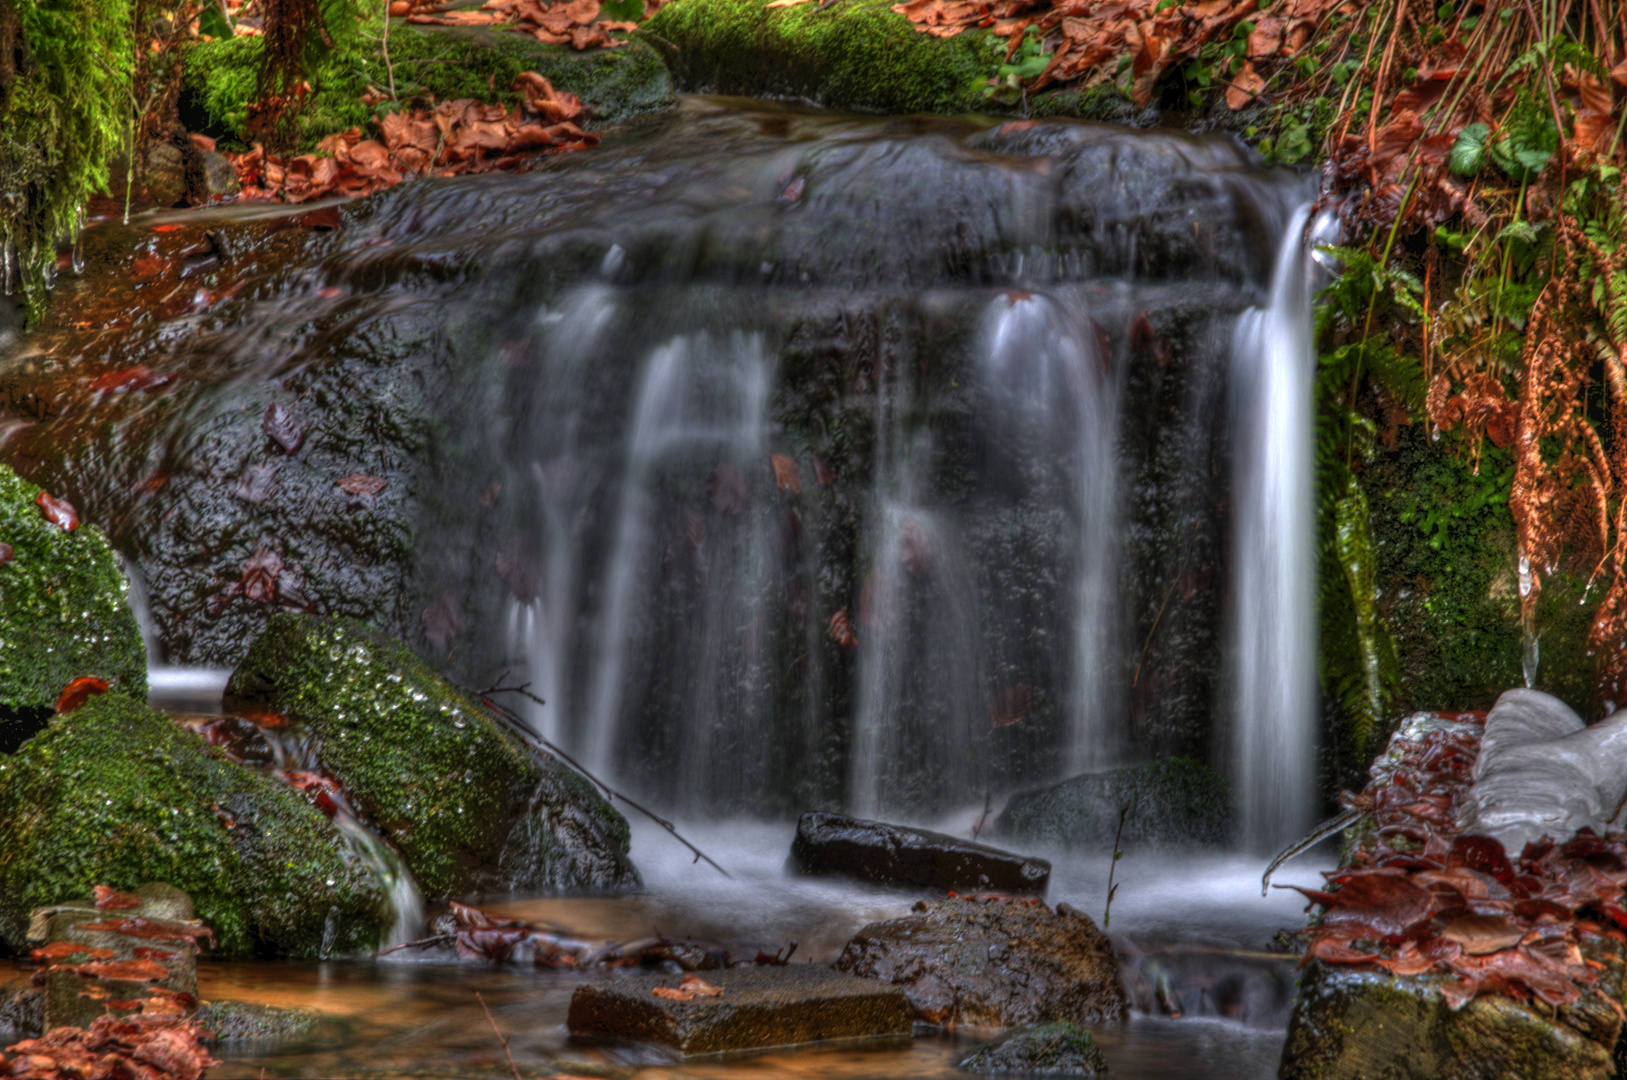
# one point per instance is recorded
(22, 1013)
(63, 613)
(250, 1021)
(895, 855)
(739, 1009)
(1175, 803)
(993, 962)
(118, 794)
(470, 808)
(1060, 1048)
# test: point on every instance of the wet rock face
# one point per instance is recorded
(739, 1009)
(468, 806)
(834, 844)
(1060, 1048)
(1180, 803)
(266, 870)
(1251, 988)
(993, 962)
(1543, 772)
(63, 613)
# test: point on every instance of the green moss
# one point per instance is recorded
(465, 802)
(63, 610)
(63, 116)
(1449, 577)
(429, 62)
(118, 794)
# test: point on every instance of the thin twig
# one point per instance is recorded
(1118, 853)
(420, 943)
(537, 742)
(513, 1068)
(384, 47)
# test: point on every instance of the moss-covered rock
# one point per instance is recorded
(118, 794)
(250, 1021)
(444, 63)
(468, 806)
(859, 54)
(63, 609)
(1358, 1025)
(1179, 802)
(1060, 1048)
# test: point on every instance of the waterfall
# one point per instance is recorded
(1273, 630)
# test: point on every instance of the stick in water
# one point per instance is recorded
(537, 742)
(513, 1068)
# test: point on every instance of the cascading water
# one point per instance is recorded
(1273, 649)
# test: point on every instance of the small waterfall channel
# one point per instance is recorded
(790, 459)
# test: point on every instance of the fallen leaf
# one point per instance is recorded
(79, 691)
(787, 475)
(1482, 934)
(672, 994)
(841, 630)
(61, 950)
(362, 489)
(124, 970)
(1386, 902)
(258, 482)
(1245, 85)
(284, 430)
(59, 512)
(142, 929)
(132, 378)
(109, 899)
(260, 573)
(699, 986)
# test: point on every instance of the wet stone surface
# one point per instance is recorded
(894, 855)
(1056, 1049)
(758, 1008)
(993, 962)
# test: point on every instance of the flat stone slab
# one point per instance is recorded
(759, 1008)
(895, 855)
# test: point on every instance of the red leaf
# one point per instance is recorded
(141, 929)
(841, 629)
(108, 899)
(124, 970)
(1483, 854)
(79, 691)
(284, 430)
(1482, 934)
(787, 476)
(152, 483)
(61, 950)
(133, 378)
(58, 511)
(259, 582)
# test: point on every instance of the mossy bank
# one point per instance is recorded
(468, 805)
(63, 608)
(118, 794)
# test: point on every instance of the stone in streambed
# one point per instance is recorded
(759, 1008)
(63, 614)
(118, 794)
(469, 807)
(249, 1021)
(1060, 1048)
(895, 855)
(993, 962)
(1177, 803)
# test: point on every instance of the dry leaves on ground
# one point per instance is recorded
(141, 1047)
(576, 23)
(452, 139)
(1418, 897)
(1087, 38)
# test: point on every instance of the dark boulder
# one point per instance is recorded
(1176, 803)
(469, 807)
(1060, 1048)
(993, 962)
(739, 1009)
(896, 855)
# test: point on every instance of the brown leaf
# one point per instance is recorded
(61, 950)
(699, 987)
(109, 899)
(787, 474)
(362, 489)
(124, 970)
(260, 573)
(284, 430)
(1386, 902)
(1244, 86)
(58, 512)
(841, 630)
(672, 994)
(77, 692)
(1482, 934)
(257, 483)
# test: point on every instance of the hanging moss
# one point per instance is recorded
(64, 114)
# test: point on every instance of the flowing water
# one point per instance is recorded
(790, 460)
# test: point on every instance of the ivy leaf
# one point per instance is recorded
(1469, 152)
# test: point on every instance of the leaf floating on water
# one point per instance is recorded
(58, 512)
(109, 899)
(1010, 706)
(787, 474)
(79, 691)
(284, 430)
(841, 629)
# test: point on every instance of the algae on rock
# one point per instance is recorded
(468, 806)
(63, 608)
(118, 794)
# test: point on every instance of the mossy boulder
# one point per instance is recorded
(470, 808)
(443, 63)
(63, 609)
(858, 54)
(1060, 1048)
(1357, 1024)
(1174, 803)
(118, 794)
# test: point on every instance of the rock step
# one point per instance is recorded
(894, 855)
(758, 1008)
